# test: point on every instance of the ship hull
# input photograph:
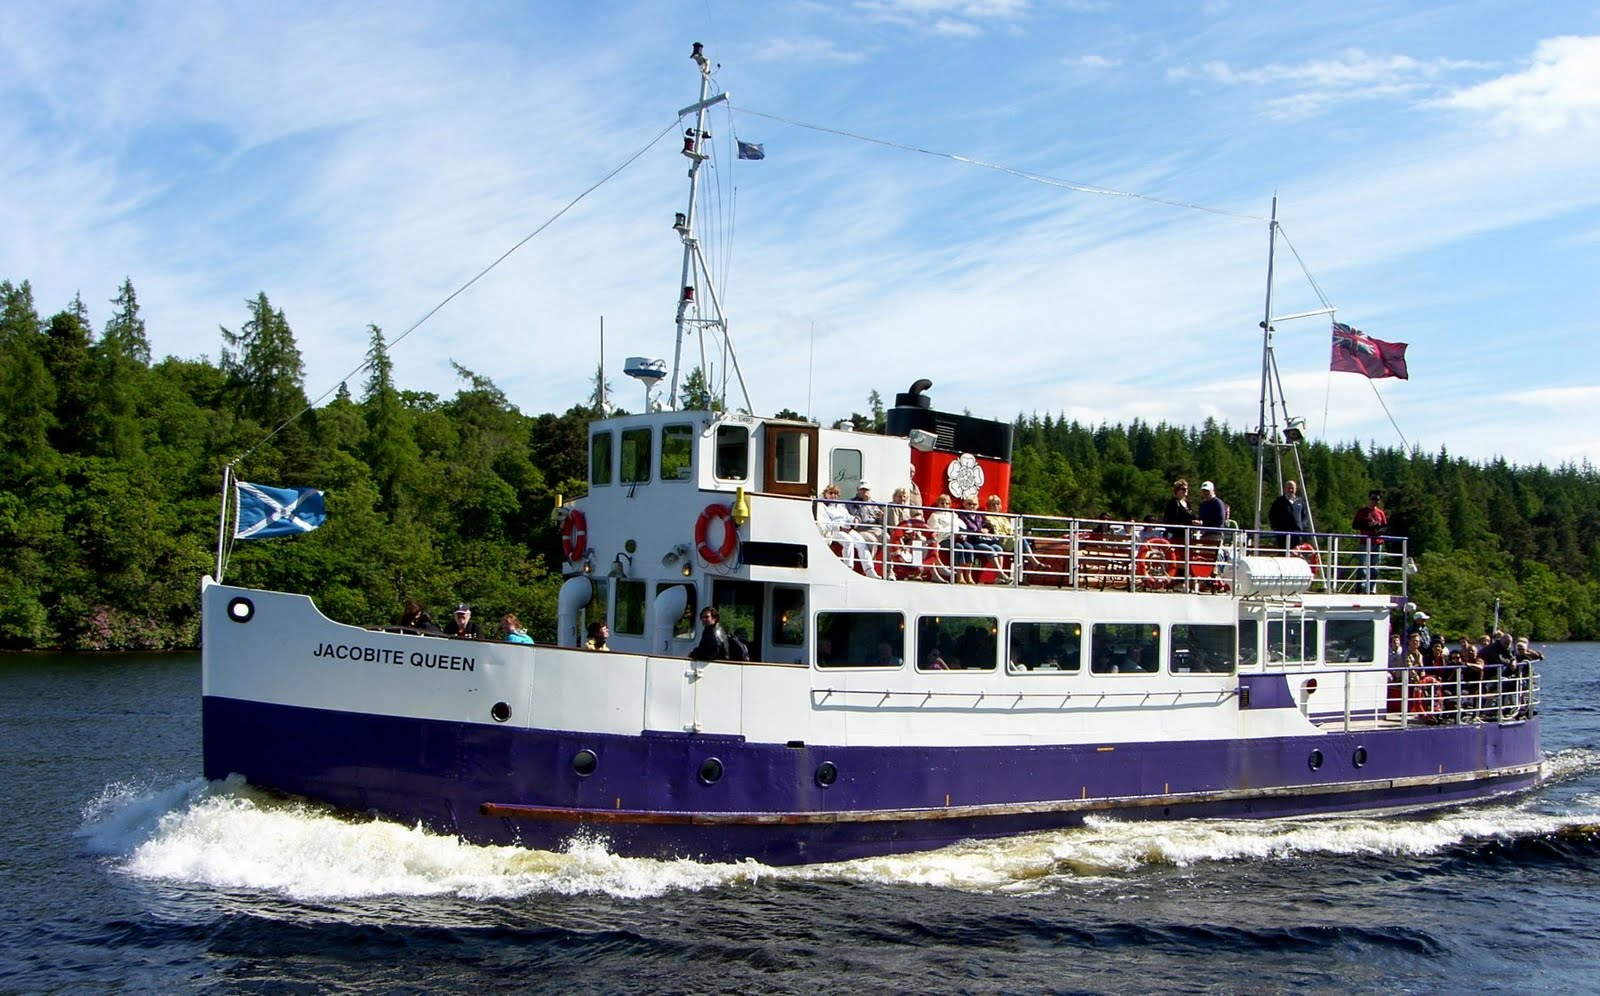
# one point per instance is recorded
(646, 796)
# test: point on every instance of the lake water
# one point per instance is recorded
(122, 868)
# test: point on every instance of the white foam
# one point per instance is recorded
(227, 836)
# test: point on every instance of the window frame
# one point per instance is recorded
(1011, 637)
(622, 449)
(618, 587)
(718, 447)
(969, 621)
(610, 460)
(1094, 645)
(686, 431)
(1232, 644)
(819, 635)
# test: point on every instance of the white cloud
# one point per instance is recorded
(1090, 62)
(807, 50)
(1561, 89)
(951, 18)
(1316, 84)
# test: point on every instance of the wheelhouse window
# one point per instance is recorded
(595, 611)
(860, 639)
(635, 455)
(1349, 641)
(600, 459)
(957, 643)
(1201, 649)
(677, 452)
(1046, 647)
(733, 453)
(683, 629)
(788, 616)
(1249, 636)
(628, 619)
(1291, 640)
(1125, 648)
(792, 458)
(845, 470)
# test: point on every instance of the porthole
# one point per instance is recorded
(500, 711)
(241, 610)
(711, 771)
(827, 773)
(1315, 760)
(585, 762)
(1359, 758)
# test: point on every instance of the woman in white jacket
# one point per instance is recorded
(838, 526)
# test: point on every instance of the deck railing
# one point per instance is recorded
(920, 543)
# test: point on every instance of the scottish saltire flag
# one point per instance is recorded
(265, 512)
(752, 150)
(1356, 352)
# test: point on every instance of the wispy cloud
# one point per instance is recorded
(807, 49)
(1560, 89)
(1307, 88)
(1090, 62)
(951, 18)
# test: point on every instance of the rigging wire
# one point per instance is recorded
(459, 290)
(1305, 269)
(1051, 181)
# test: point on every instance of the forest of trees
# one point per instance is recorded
(111, 467)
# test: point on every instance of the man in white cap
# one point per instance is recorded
(869, 517)
(1213, 511)
(1419, 626)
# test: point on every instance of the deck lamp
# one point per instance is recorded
(1296, 432)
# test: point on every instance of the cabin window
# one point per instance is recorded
(683, 629)
(957, 643)
(788, 616)
(1201, 649)
(677, 452)
(860, 639)
(1125, 648)
(635, 455)
(845, 470)
(733, 453)
(1249, 632)
(1046, 647)
(792, 457)
(1291, 640)
(600, 459)
(628, 619)
(1349, 641)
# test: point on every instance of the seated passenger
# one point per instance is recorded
(974, 542)
(414, 616)
(839, 526)
(512, 629)
(461, 625)
(942, 523)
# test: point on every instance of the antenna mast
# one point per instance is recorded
(694, 263)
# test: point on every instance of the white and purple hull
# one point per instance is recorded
(411, 728)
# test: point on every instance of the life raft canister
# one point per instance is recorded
(575, 535)
(702, 531)
(1308, 553)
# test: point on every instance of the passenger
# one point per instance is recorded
(599, 635)
(461, 625)
(1178, 514)
(713, 645)
(974, 541)
(868, 513)
(1213, 512)
(1290, 516)
(414, 616)
(1001, 525)
(942, 523)
(936, 661)
(512, 629)
(1525, 653)
(885, 656)
(1371, 521)
(838, 525)
(1419, 626)
(900, 511)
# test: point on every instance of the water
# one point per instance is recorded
(120, 867)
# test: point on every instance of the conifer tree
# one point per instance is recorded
(391, 451)
(124, 334)
(264, 365)
(68, 358)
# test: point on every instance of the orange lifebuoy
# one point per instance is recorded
(702, 530)
(1156, 559)
(575, 535)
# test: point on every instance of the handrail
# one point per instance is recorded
(927, 543)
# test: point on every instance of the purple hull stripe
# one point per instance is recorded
(444, 774)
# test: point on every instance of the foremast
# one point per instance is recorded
(695, 273)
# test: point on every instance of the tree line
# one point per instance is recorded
(111, 465)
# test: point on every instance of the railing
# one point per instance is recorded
(921, 543)
(1463, 693)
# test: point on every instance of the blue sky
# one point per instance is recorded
(1438, 169)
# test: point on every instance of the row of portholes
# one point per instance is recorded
(586, 762)
(1358, 758)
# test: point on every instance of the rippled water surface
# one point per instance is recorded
(122, 867)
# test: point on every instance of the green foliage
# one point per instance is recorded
(110, 468)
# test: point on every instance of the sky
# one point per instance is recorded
(1436, 168)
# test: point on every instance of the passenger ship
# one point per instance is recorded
(902, 700)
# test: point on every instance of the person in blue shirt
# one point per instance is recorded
(513, 629)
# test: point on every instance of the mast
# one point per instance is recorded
(1262, 437)
(695, 272)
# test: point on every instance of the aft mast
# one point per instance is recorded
(695, 272)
